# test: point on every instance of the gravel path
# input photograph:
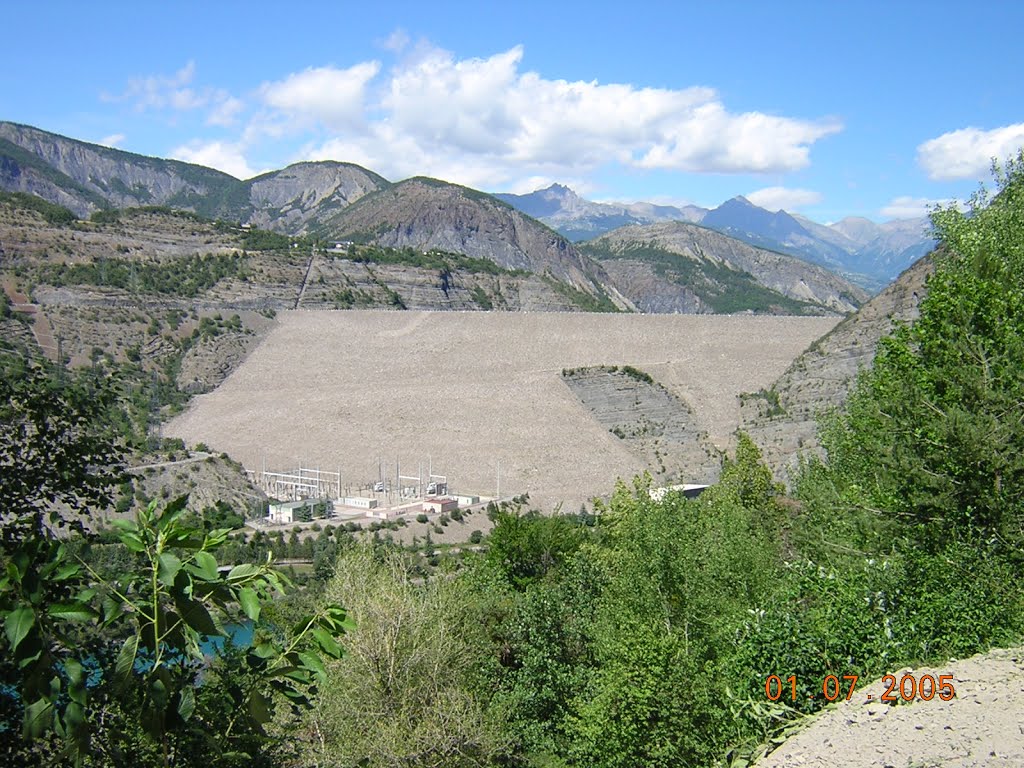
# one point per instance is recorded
(465, 391)
(982, 726)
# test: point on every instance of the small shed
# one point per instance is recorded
(303, 510)
(439, 506)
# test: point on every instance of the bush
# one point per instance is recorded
(422, 518)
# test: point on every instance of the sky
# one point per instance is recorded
(874, 109)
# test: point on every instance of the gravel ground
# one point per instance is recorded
(465, 391)
(982, 726)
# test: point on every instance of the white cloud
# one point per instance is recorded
(162, 91)
(177, 93)
(709, 139)
(968, 152)
(906, 207)
(397, 41)
(225, 112)
(335, 97)
(223, 156)
(486, 122)
(783, 198)
(113, 140)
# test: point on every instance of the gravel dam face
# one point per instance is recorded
(467, 392)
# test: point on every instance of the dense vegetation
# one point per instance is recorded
(640, 635)
(107, 666)
(185, 277)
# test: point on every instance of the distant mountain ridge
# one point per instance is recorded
(870, 254)
(580, 219)
(675, 266)
(343, 202)
(424, 214)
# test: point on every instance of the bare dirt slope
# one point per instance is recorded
(982, 726)
(466, 391)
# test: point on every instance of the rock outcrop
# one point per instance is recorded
(298, 198)
(783, 419)
(655, 425)
(87, 177)
(425, 214)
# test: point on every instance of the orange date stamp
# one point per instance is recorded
(908, 687)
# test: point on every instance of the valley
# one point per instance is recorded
(470, 390)
(377, 329)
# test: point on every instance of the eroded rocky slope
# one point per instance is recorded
(782, 419)
(656, 425)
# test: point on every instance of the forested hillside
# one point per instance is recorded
(642, 632)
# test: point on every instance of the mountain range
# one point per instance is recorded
(870, 254)
(343, 202)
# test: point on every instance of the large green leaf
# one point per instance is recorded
(259, 708)
(186, 704)
(132, 541)
(196, 616)
(313, 663)
(172, 512)
(168, 568)
(250, 602)
(38, 718)
(77, 680)
(242, 572)
(125, 662)
(111, 607)
(265, 649)
(327, 643)
(67, 571)
(18, 624)
(158, 692)
(205, 566)
(72, 611)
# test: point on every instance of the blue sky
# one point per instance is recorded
(827, 109)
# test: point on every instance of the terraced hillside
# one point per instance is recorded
(468, 391)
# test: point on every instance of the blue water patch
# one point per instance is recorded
(239, 634)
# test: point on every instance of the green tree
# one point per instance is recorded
(681, 575)
(57, 464)
(176, 599)
(404, 693)
(932, 438)
(60, 614)
(526, 546)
